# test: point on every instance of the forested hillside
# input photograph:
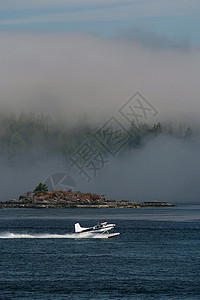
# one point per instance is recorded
(42, 136)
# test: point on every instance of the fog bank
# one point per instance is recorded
(70, 74)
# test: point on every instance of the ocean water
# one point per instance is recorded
(156, 255)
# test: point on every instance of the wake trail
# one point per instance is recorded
(10, 235)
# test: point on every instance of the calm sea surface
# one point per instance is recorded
(156, 256)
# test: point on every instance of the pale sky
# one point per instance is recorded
(173, 19)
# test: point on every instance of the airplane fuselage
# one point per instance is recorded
(101, 227)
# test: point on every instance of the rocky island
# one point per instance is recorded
(71, 199)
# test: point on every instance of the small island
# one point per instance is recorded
(41, 198)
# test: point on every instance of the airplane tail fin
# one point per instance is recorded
(78, 228)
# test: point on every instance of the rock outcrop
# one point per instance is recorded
(69, 199)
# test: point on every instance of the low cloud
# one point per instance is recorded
(68, 74)
(165, 169)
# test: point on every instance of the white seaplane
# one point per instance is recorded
(102, 229)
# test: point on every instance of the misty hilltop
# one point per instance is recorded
(38, 137)
(153, 162)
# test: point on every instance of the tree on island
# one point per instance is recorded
(41, 188)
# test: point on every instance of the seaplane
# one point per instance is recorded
(100, 230)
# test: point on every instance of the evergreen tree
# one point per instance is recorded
(41, 188)
(157, 129)
(188, 133)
